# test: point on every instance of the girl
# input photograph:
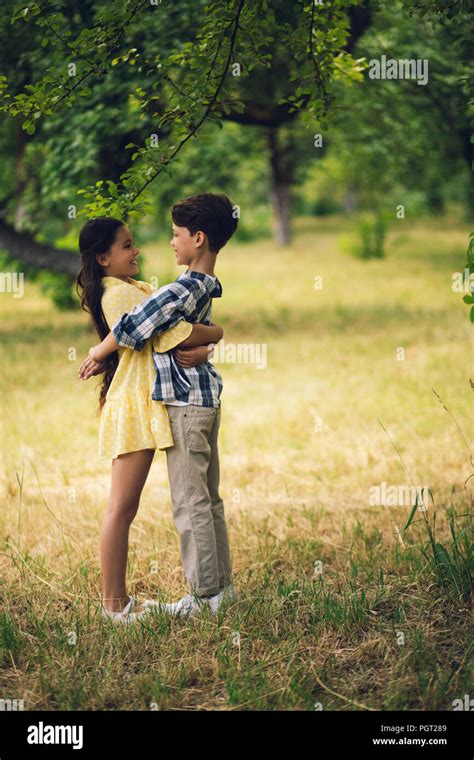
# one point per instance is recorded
(132, 425)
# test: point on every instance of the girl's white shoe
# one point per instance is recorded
(126, 615)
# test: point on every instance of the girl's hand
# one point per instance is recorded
(100, 367)
(191, 357)
(90, 366)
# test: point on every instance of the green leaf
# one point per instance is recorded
(441, 554)
(412, 514)
(29, 127)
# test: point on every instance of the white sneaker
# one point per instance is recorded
(154, 604)
(188, 606)
(126, 615)
(227, 594)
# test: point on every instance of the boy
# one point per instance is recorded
(202, 225)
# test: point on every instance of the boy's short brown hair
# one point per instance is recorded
(211, 213)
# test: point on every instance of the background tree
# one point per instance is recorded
(120, 71)
(114, 94)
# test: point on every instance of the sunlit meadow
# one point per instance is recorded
(367, 381)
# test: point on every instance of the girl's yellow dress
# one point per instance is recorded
(130, 419)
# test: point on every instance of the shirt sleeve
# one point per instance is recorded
(171, 338)
(160, 312)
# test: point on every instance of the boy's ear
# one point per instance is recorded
(200, 238)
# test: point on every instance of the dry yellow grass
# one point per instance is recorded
(295, 494)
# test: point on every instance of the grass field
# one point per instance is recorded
(339, 608)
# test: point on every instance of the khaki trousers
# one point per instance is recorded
(198, 510)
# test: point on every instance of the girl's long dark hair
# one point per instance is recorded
(97, 236)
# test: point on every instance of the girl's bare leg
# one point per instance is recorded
(129, 474)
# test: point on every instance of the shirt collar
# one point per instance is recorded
(212, 284)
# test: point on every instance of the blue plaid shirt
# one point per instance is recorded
(188, 297)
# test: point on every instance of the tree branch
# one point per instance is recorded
(205, 114)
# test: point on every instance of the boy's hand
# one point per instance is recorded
(90, 366)
(191, 357)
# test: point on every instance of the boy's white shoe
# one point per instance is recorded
(227, 594)
(188, 606)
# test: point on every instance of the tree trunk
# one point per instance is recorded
(468, 155)
(349, 202)
(281, 179)
(281, 212)
(22, 139)
(435, 200)
(21, 246)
